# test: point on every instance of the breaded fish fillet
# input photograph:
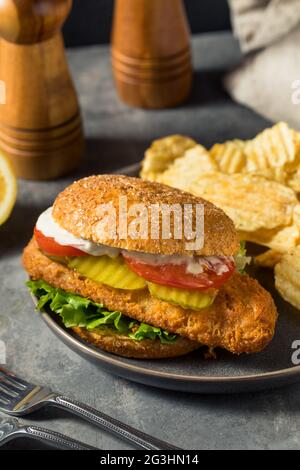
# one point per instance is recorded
(241, 320)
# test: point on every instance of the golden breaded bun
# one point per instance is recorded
(145, 349)
(75, 210)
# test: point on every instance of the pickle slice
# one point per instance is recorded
(110, 271)
(58, 259)
(194, 300)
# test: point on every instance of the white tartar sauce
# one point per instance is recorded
(47, 225)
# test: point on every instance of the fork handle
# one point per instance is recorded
(129, 434)
(53, 438)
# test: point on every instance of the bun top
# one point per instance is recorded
(80, 210)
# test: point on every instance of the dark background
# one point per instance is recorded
(90, 20)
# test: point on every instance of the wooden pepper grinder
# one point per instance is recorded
(151, 52)
(40, 123)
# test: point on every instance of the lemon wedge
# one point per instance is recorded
(8, 189)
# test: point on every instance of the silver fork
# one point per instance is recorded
(19, 398)
(11, 429)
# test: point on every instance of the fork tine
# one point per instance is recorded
(11, 383)
(4, 401)
(18, 397)
(7, 391)
(15, 381)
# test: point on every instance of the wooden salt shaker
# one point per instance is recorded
(40, 123)
(151, 54)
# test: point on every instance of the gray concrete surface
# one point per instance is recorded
(116, 136)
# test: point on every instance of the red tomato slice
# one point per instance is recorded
(49, 245)
(174, 275)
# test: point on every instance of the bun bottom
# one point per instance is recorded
(145, 349)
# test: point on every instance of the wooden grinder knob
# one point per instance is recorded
(151, 52)
(40, 123)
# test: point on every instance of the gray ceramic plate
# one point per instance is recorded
(192, 373)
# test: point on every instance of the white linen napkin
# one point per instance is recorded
(259, 23)
(268, 80)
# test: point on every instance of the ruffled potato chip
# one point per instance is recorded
(274, 174)
(188, 168)
(268, 259)
(287, 277)
(281, 239)
(229, 156)
(273, 148)
(292, 167)
(293, 181)
(162, 154)
(252, 202)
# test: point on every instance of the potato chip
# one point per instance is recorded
(188, 168)
(274, 174)
(273, 148)
(252, 202)
(296, 215)
(230, 156)
(293, 181)
(162, 154)
(287, 277)
(281, 239)
(268, 259)
(292, 167)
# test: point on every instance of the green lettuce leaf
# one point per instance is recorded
(145, 331)
(78, 311)
(241, 259)
(242, 250)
